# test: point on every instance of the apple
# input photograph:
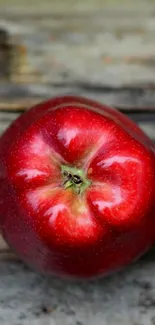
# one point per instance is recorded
(77, 194)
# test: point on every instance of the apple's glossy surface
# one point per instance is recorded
(77, 188)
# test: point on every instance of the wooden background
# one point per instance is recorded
(101, 49)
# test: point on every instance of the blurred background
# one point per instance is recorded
(105, 50)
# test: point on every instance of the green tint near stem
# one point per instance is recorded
(70, 175)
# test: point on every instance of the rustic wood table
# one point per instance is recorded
(103, 50)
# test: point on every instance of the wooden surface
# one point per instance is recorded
(100, 49)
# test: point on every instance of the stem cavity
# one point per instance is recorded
(74, 178)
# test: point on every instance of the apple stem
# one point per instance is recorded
(74, 178)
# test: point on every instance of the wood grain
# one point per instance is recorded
(21, 97)
(105, 50)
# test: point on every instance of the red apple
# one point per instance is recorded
(77, 188)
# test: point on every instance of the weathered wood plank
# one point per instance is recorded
(93, 49)
(106, 46)
(80, 6)
(21, 97)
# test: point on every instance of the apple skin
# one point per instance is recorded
(77, 188)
